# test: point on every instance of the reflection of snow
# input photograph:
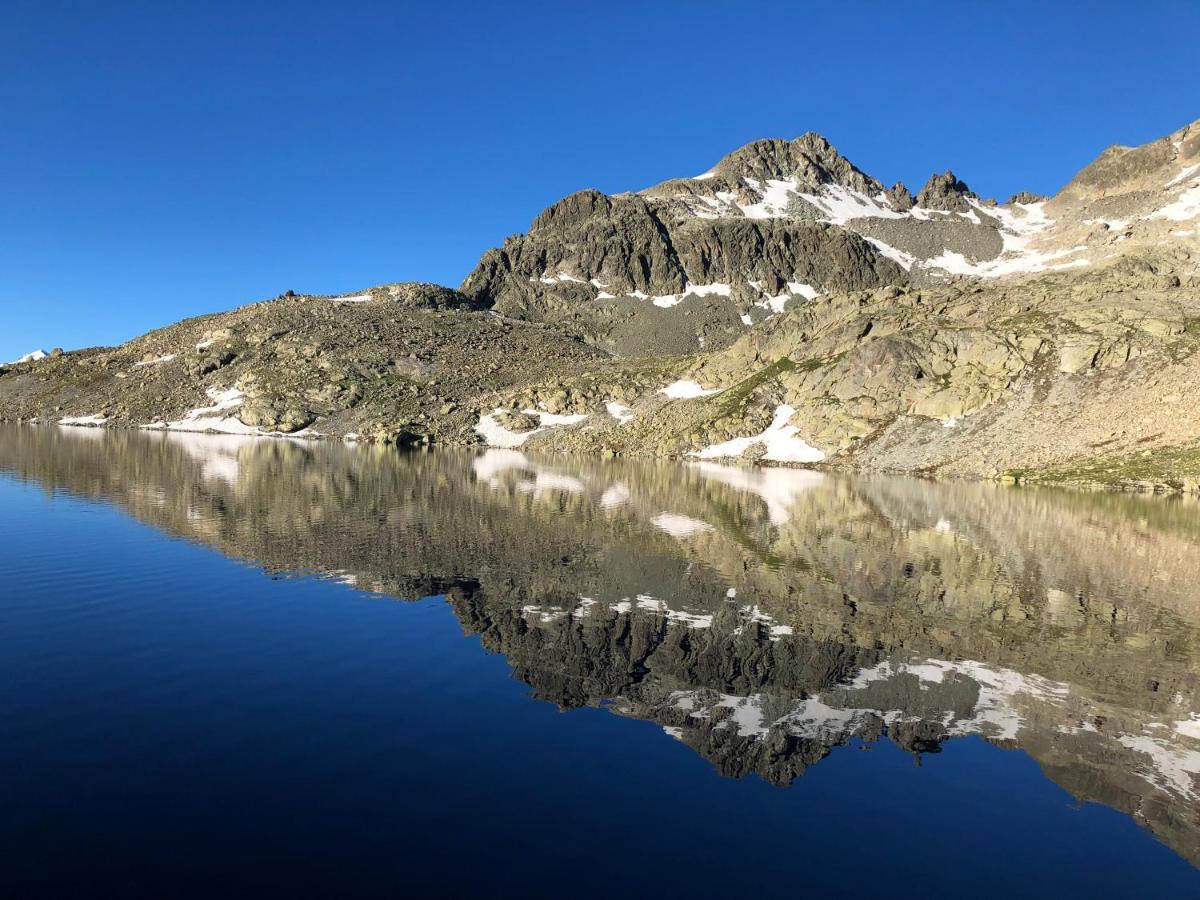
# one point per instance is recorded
(679, 526)
(778, 488)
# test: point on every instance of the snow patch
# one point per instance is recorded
(157, 361)
(619, 411)
(779, 438)
(31, 356)
(904, 260)
(214, 418)
(94, 421)
(496, 435)
(1184, 175)
(686, 389)
(1185, 208)
(841, 205)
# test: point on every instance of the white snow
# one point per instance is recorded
(560, 277)
(92, 421)
(807, 291)
(1019, 224)
(691, 290)
(746, 320)
(214, 419)
(1184, 175)
(496, 435)
(686, 389)
(841, 205)
(619, 411)
(204, 345)
(1189, 727)
(905, 260)
(775, 198)
(353, 298)
(679, 526)
(31, 356)
(157, 361)
(779, 438)
(704, 176)
(1186, 207)
(1005, 264)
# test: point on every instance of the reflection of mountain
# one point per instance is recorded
(760, 616)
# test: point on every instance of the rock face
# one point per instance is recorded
(946, 193)
(782, 307)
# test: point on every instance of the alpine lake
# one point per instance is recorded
(257, 667)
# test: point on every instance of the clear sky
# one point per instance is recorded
(162, 159)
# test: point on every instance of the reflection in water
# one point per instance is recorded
(761, 616)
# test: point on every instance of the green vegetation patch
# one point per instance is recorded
(1170, 468)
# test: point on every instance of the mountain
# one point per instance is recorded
(778, 222)
(781, 307)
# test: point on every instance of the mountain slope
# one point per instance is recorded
(778, 222)
(782, 307)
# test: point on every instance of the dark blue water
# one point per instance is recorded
(176, 721)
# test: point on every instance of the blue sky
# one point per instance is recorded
(166, 159)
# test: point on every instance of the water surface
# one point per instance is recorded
(256, 667)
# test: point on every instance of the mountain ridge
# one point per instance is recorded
(783, 306)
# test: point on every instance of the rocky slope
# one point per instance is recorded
(782, 307)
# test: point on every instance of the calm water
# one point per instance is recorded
(258, 668)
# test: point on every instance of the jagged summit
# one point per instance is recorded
(777, 222)
(946, 193)
(810, 160)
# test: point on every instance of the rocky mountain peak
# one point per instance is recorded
(573, 209)
(946, 192)
(809, 160)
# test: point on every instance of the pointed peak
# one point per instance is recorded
(946, 192)
(811, 160)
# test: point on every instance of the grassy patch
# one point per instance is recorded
(1174, 468)
(737, 395)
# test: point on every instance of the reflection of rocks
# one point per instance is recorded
(794, 613)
